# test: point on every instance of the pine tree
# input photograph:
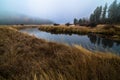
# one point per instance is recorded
(75, 21)
(96, 16)
(104, 13)
(113, 12)
(118, 18)
(92, 18)
(80, 21)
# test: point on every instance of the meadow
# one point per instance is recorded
(25, 57)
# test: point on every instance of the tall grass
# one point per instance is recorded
(107, 31)
(24, 57)
(65, 29)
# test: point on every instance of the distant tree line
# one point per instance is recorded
(102, 15)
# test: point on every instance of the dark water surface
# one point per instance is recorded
(90, 42)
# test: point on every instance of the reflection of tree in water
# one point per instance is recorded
(107, 43)
(97, 40)
(117, 43)
(92, 38)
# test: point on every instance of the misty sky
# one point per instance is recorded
(60, 11)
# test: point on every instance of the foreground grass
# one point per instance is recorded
(24, 57)
(106, 31)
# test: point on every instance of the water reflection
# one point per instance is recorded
(91, 42)
(105, 42)
(93, 38)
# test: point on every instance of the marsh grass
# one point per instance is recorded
(24, 57)
(106, 31)
(65, 29)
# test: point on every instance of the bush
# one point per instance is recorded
(92, 25)
(68, 24)
(56, 24)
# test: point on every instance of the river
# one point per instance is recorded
(90, 42)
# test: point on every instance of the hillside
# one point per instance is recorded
(14, 18)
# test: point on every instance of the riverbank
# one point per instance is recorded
(24, 57)
(105, 31)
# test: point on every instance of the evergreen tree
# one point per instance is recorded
(80, 21)
(104, 13)
(113, 12)
(75, 21)
(118, 18)
(109, 15)
(92, 18)
(96, 16)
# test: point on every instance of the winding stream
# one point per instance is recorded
(90, 42)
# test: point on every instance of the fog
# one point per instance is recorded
(60, 11)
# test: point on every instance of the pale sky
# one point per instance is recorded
(60, 11)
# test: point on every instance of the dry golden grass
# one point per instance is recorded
(106, 31)
(24, 57)
(65, 29)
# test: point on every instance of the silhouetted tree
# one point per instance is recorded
(104, 13)
(80, 21)
(92, 18)
(83, 22)
(96, 16)
(118, 13)
(75, 21)
(55, 24)
(68, 24)
(113, 12)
